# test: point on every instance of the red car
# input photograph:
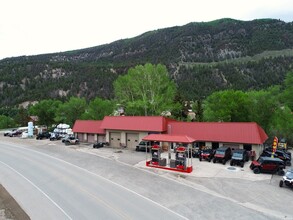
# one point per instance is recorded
(268, 165)
(222, 155)
(206, 154)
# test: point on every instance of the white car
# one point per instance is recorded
(287, 179)
(24, 134)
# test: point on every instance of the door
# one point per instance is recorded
(115, 139)
(91, 138)
(101, 138)
(80, 137)
(131, 140)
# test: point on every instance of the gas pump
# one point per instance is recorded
(180, 159)
(156, 154)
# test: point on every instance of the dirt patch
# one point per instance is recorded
(9, 208)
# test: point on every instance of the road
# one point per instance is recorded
(51, 181)
(57, 189)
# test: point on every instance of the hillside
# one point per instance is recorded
(201, 57)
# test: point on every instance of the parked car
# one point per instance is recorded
(268, 165)
(223, 154)
(144, 146)
(55, 136)
(13, 133)
(282, 144)
(66, 137)
(278, 154)
(99, 144)
(239, 157)
(287, 179)
(43, 135)
(24, 134)
(71, 140)
(206, 154)
(279, 149)
(193, 152)
(6, 133)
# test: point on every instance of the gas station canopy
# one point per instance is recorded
(169, 138)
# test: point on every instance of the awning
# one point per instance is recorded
(169, 138)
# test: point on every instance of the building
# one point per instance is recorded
(243, 135)
(128, 131)
(89, 131)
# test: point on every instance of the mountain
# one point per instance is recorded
(202, 57)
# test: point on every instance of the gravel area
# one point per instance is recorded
(9, 208)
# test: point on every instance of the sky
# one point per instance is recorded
(32, 27)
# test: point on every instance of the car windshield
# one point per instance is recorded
(260, 160)
(289, 174)
(237, 155)
(220, 152)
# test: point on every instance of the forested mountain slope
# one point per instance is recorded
(201, 57)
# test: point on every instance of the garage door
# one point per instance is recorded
(115, 139)
(80, 137)
(132, 140)
(91, 138)
(101, 138)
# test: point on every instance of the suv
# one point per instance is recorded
(268, 165)
(206, 154)
(287, 179)
(71, 140)
(66, 137)
(223, 154)
(55, 136)
(239, 157)
(278, 154)
(144, 146)
(42, 135)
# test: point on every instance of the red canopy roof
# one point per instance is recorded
(169, 138)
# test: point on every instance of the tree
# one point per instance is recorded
(228, 106)
(98, 109)
(282, 124)
(145, 90)
(71, 110)
(6, 122)
(46, 111)
(288, 92)
(22, 117)
(198, 109)
(263, 105)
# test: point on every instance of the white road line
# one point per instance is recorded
(48, 197)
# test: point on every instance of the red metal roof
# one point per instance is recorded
(136, 123)
(169, 138)
(231, 132)
(88, 126)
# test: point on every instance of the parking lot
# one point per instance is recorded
(202, 169)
